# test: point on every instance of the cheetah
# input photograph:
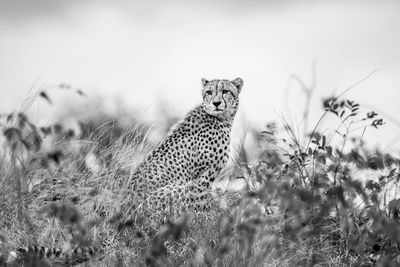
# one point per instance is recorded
(183, 166)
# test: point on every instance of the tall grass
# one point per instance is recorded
(307, 201)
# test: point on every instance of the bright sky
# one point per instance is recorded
(148, 51)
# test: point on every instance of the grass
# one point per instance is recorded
(306, 203)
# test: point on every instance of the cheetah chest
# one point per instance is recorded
(212, 151)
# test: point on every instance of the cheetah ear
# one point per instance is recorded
(238, 83)
(204, 82)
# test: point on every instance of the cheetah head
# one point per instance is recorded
(221, 97)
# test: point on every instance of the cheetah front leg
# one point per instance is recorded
(200, 191)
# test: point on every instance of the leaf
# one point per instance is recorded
(326, 103)
(45, 130)
(267, 132)
(9, 117)
(394, 205)
(55, 156)
(372, 185)
(22, 120)
(12, 134)
(374, 198)
(392, 172)
(337, 192)
(377, 122)
(329, 150)
(316, 136)
(70, 133)
(36, 141)
(371, 114)
(322, 159)
(306, 196)
(80, 92)
(338, 152)
(315, 142)
(356, 185)
(46, 97)
(64, 86)
(57, 128)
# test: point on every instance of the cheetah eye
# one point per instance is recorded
(225, 91)
(208, 92)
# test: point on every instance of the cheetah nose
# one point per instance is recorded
(217, 103)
